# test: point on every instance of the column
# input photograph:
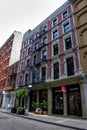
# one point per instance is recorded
(49, 101)
(83, 91)
(37, 95)
(65, 103)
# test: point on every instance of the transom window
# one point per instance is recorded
(65, 14)
(55, 22)
(66, 27)
(68, 43)
(56, 70)
(55, 49)
(70, 66)
(55, 34)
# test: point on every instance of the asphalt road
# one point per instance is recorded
(10, 122)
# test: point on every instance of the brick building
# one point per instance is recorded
(9, 54)
(50, 61)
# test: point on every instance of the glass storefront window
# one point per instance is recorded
(57, 105)
(74, 101)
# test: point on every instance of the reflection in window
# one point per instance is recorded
(70, 66)
(56, 70)
(68, 43)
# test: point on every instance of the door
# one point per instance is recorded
(57, 105)
(74, 102)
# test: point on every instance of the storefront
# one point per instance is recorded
(74, 100)
(65, 99)
(33, 98)
(57, 102)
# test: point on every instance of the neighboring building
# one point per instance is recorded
(80, 14)
(50, 61)
(9, 54)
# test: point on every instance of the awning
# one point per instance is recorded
(8, 88)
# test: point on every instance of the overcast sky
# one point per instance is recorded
(21, 15)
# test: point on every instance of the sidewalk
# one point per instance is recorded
(73, 123)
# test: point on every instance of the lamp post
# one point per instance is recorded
(29, 86)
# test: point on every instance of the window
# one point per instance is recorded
(43, 73)
(28, 62)
(34, 60)
(45, 29)
(34, 76)
(36, 45)
(55, 34)
(29, 50)
(55, 49)
(44, 54)
(66, 27)
(27, 79)
(70, 66)
(56, 70)
(65, 14)
(45, 40)
(68, 43)
(55, 22)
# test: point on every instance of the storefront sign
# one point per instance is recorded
(63, 89)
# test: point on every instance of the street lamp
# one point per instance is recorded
(29, 86)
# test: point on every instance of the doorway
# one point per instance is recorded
(57, 105)
(74, 101)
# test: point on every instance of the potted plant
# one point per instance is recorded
(36, 107)
(44, 107)
(20, 110)
(14, 109)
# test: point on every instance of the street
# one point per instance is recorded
(10, 122)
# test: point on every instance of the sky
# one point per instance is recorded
(21, 15)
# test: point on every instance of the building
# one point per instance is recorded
(50, 61)
(80, 14)
(9, 54)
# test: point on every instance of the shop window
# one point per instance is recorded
(56, 70)
(68, 43)
(55, 49)
(74, 100)
(42, 95)
(70, 66)
(55, 34)
(43, 73)
(33, 98)
(65, 14)
(66, 27)
(57, 105)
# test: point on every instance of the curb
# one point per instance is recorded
(30, 118)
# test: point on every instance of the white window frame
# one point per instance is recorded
(65, 37)
(65, 64)
(53, 22)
